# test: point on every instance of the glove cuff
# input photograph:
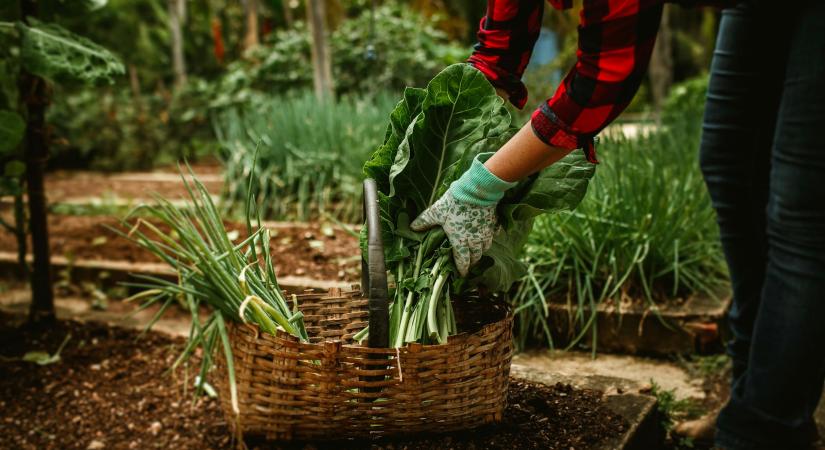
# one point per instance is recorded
(478, 186)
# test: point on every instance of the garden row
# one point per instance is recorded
(654, 259)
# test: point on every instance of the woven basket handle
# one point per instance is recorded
(374, 272)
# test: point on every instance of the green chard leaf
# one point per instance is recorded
(55, 53)
(433, 136)
(460, 109)
(560, 187)
(380, 162)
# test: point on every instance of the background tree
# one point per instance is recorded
(177, 16)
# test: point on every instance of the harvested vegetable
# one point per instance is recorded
(235, 280)
(433, 136)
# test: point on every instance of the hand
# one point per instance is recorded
(467, 212)
(469, 228)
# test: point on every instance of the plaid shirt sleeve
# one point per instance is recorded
(616, 40)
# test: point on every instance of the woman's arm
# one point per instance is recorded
(523, 155)
(616, 39)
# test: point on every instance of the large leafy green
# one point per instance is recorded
(460, 109)
(433, 136)
(54, 53)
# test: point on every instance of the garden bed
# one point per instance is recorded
(318, 251)
(110, 390)
(677, 326)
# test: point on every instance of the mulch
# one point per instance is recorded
(111, 389)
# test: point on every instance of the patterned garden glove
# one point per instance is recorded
(467, 212)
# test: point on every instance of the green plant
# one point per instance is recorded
(433, 136)
(396, 47)
(363, 61)
(646, 231)
(672, 409)
(309, 154)
(235, 280)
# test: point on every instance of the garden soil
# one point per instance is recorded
(64, 186)
(312, 250)
(111, 389)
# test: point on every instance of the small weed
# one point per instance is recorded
(709, 366)
(671, 410)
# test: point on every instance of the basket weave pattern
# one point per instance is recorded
(332, 388)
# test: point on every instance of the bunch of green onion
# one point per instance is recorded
(236, 281)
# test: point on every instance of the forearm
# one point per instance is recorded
(523, 155)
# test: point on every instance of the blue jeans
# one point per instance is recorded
(763, 159)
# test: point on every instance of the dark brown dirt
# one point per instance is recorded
(303, 250)
(108, 391)
(111, 390)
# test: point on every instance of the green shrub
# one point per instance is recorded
(310, 154)
(112, 130)
(645, 231)
(407, 50)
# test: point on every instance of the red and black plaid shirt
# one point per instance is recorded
(616, 40)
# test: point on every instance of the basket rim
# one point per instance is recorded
(410, 346)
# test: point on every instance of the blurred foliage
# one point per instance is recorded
(380, 45)
(111, 130)
(363, 61)
(309, 157)
(124, 129)
(686, 99)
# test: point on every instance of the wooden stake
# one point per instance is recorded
(321, 61)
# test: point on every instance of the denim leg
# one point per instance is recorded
(737, 135)
(772, 405)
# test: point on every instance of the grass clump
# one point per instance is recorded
(309, 153)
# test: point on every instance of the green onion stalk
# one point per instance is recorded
(236, 281)
(421, 308)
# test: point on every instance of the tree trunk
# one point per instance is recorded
(134, 85)
(34, 93)
(288, 20)
(661, 63)
(321, 62)
(177, 15)
(250, 39)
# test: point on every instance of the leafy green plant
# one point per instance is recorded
(309, 155)
(433, 136)
(646, 232)
(54, 53)
(111, 129)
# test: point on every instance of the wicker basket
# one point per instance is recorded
(333, 388)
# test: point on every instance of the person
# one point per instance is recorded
(761, 155)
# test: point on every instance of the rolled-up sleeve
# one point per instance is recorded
(506, 36)
(616, 40)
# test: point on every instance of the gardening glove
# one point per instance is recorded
(467, 212)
